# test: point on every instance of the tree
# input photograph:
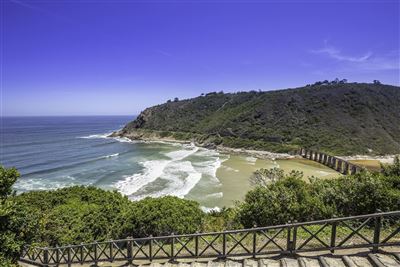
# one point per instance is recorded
(176, 99)
(377, 82)
(10, 245)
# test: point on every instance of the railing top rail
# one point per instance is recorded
(391, 213)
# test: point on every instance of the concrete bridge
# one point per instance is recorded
(338, 164)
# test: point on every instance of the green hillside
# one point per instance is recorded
(339, 118)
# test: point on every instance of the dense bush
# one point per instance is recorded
(291, 198)
(14, 222)
(84, 214)
(163, 216)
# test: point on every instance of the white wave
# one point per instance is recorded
(154, 169)
(181, 154)
(45, 184)
(96, 136)
(181, 177)
(110, 156)
(208, 210)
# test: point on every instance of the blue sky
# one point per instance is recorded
(105, 57)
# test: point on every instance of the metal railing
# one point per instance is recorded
(364, 231)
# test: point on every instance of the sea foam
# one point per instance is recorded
(154, 169)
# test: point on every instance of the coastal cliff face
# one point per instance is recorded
(343, 119)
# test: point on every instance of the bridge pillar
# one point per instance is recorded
(333, 163)
(345, 168)
(320, 157)
(311, 154)
(353, 169)
(339, 165)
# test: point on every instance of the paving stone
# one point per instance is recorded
(332, 262)
(355, 261)
(268, 263)
(307, 262)
(288, 262)
(384, 260)
(250, 263)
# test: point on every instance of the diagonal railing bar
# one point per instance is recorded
(140, 249)
(271, 240)
(355, 232)
(210, 245)
(160, 246)
(238, 243)
(102, 251)
(313, 236)
(61, 253)
(74, 254)
(115, 249)
(391, 236)
(88, 254)
(184, 246)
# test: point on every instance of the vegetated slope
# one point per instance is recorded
(343, 119)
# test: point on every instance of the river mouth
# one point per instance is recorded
(234, 177)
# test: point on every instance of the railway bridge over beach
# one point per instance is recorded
(338, 164)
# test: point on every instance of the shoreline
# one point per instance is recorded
(259, 154)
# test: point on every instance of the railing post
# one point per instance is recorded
(196, 244)
(69, 256)
(129, 250)
(81, 253)
(95, 254)
(151, 248)
(377, 232)
(254, 241)
(289, 238)
(111, 250)
(57, 255)
(223, 246)
(333, 236)
(46, 257)
(172, 247)
(293, 245)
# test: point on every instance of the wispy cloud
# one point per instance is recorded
(367, 61)
(335, 53)
(41, 10)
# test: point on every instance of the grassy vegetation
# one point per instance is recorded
(85, 214)
(337, 118)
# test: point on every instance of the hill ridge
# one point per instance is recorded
(342, 119)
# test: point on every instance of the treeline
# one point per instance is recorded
(85, 214)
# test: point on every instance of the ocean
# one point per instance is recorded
(56, 152)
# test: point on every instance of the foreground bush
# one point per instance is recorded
(85, 214)
(163, 216)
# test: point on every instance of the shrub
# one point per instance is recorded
(163, 216)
